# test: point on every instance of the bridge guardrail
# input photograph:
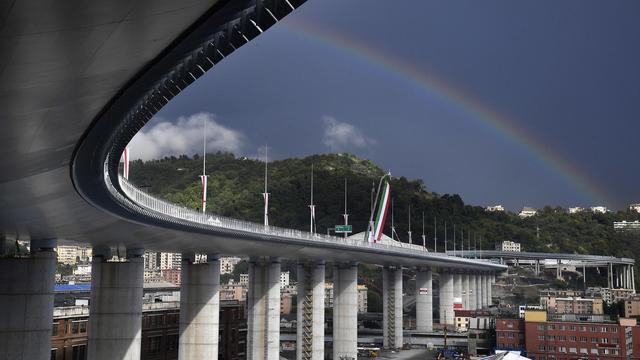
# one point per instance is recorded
(164, 207)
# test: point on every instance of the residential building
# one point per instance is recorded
(171, 275)
(151, 275)
(599, 209)
(169, 260)
(527, 212)
(363, 306)
(634, 207)
(608, 295)
(67, 254)
(632, 306)
(151, 260)
(626, 225)
(227, 264)
(236, 292)
(494, 208)
(508, 246)
(510, 334)
(284, 279)
(564, 340)
(244, 279)
(572, 305)
(575, 210)
(286, 303)
(160, 331)
(523, 308)
(82, 269)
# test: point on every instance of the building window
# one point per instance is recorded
(79, 352)
(573, 350)
(79, 327)
(540, 327)
(154, 344)
(154, 321)
(54, 329)
(584, 351)
(53, 354)
(172, 342)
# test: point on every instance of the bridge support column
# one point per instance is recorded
(115, 323)
(479, 293)
(446, 298)
(392, 307)
(472, 292)
(199, 309)
(424, 300)
(310, 329)
(457, 290)
(465, 291)
(486, 290)
(345, 311)
(26, 303)
(263, 310)
(610, 275)
(491, 280)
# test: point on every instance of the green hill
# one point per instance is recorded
(236, 184)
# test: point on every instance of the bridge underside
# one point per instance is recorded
(61, 65)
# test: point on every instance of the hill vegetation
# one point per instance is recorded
(236, 184)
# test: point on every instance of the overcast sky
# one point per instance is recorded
(526, 103)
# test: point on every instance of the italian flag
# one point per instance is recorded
(383, 209)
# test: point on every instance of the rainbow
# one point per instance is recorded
(499, 124)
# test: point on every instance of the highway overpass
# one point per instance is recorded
(79, 79)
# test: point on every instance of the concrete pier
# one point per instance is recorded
(115, 323)
(345, 311)
(457, 288)
(26, 303)
(465, 291)
(392, 308)
(446, 298)
(310, 330)
(486, 284)
(479, 298)
(263, 310)
(199, 309)
(472, 292)
(424, 299)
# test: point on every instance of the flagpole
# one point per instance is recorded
(393, 228)
(345, 215)
(265, 195)
(445, 236)
(435, 234)
(311, 206)
(454, 239)
(204, 167)
(410, 240)
(424, 237)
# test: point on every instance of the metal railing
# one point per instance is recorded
(163, 207)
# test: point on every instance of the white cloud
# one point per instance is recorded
(340, 136)
(185, 136)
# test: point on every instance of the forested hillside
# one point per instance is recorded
(236, 184)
